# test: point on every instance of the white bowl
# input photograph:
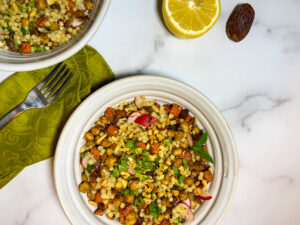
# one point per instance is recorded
(13, 61)
(221, 145)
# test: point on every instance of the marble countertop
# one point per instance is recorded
(255, 83)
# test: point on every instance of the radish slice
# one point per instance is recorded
(153, 120)
(205, 196)
(187, 213)
(190, 140)
(188, 202)
(77, 23)
(138, 101)
(133, 116)
(145, 120)
(85, 160)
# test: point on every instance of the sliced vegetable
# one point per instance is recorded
(132, 117)
(186, 213)
(77, 23)
(205, 196)
(84, 161)
(190, 140)
(188, 202)
(145, 120)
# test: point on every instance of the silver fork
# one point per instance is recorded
(43, 93)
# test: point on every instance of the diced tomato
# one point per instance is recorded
(99, 212)
(141, 145)
(176, 110)
(98, 198)
(121, 113)
(207, 176)
(41, 21)
(154, 148)
(96, 153)
(127, 210)
(109, 113)
(112, 130)
(25, 47)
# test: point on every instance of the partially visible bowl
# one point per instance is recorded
(220, 145)
(13, 61)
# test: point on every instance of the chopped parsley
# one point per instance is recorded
(180, 178)
(23, 30)
(154, 211)
(89, 167)
(184, 161)
(175, 170)
(116, 172)
(131, 144)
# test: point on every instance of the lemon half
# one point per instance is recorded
(190, 18)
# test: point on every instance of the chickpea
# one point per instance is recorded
(175, 193)
(196, 130)
(183, 196)
(134, 185)
(110, 161)
(40, 5)
(25, 22)
(90, 143)
(191, 196)
(106, 143)
(104, 172)
(117, 201)
(95, 131)
(197, 191)
(103, 119)
(129, 198)
(88, 4)
(198, 167)
(84, 177)
(88, 136)
(109, 151)
(84, 187)
(179, 135)
(166, 180)
(185, 127)
(177, 152)
(178, 163)
(54, 27)
(171, 133)
(184, 144)
(90, 196)
(130, 219)
(189, 181)
(165, 202)
(44, 39)
(119, 185)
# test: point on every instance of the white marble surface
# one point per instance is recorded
(254, 83)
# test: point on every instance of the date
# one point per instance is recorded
(239, 22)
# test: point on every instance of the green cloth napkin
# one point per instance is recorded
(32, 136)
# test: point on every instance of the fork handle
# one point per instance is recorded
(11, 115)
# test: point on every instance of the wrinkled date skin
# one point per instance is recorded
(240, 22)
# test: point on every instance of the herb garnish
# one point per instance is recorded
(154, 211)
(198, 148)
